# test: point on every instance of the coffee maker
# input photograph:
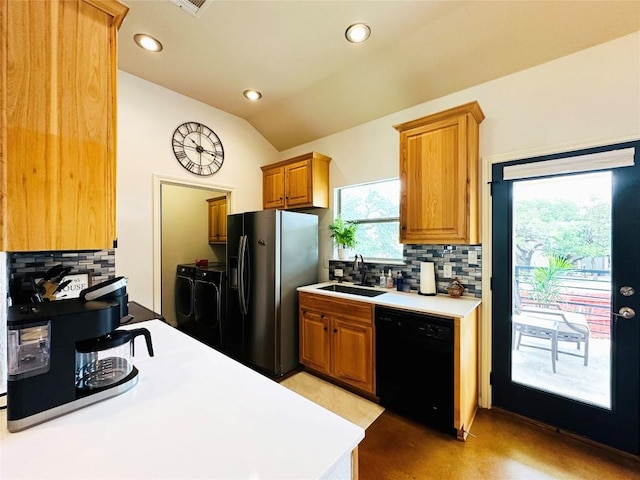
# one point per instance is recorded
(65, 355)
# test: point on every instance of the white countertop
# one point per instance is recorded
(195, 413)
(443, 305)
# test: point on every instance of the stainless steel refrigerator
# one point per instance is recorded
(269, 254)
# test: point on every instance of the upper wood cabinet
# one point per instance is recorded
(439, 177)
(218, 220)
(300, 182)
(58, 72)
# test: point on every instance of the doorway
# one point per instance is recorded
(564, 343)
(181, 234)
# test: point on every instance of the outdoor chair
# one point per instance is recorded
(536, 326)
(571, 327)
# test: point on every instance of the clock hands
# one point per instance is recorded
(200, 149)
(213, 154)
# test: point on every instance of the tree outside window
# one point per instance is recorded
(376, 208)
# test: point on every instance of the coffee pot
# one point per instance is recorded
(106, 360)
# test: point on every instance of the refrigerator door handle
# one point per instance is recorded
(240, 273)
(243, 269)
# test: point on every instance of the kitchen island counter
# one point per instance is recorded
(195, 413)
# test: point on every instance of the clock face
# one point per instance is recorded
(198, 148)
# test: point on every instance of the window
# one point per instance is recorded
(376, 208)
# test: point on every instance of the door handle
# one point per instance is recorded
(625, 312)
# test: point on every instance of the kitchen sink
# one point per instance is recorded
(362, 291)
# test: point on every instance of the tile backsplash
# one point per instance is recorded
(455, 256)
(100, 264)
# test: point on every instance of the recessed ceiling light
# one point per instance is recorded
(147, 42)
(358, 32)
(252, 94)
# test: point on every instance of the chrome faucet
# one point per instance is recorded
(359, 265)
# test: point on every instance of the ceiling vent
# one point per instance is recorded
(192, 7)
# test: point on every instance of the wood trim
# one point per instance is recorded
(472, 108)
(307, 156)
(473, 178)
(361, 312)
(355, 473)
(465, 382)
(114, 8)
(3, 126)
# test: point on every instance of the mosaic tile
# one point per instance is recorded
(457, 257)
(100, 264)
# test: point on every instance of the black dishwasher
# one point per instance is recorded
(414, 366)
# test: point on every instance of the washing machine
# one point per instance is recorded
(184, 291)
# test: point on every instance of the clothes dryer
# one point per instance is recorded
(184, 291)
(209, 305)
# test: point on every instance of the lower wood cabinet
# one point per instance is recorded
(337, 339)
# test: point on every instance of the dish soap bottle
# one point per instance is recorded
(383, 280)
(389, 280)
(399, 281)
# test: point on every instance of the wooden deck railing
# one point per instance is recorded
(582, 291)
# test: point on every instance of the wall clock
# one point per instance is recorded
(197, 148)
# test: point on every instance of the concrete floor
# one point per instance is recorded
(504, 447)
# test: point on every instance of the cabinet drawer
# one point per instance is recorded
(351, 309)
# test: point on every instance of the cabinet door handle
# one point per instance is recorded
(322, 315)
(325, 329)
(335, 330)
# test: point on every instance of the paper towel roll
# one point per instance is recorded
(427, 278)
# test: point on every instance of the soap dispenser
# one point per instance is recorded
(399, 281)
(389, 280)
(383, 280)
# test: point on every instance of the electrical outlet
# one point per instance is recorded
(338, 273)
(448, 272)
(325, 262)
(473, 257)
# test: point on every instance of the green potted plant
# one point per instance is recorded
(547, 280)
(343, 234)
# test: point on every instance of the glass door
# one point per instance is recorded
(565, 256)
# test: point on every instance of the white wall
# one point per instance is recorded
(147, 117)
(588, 97)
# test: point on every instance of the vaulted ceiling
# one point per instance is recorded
(315, 83)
